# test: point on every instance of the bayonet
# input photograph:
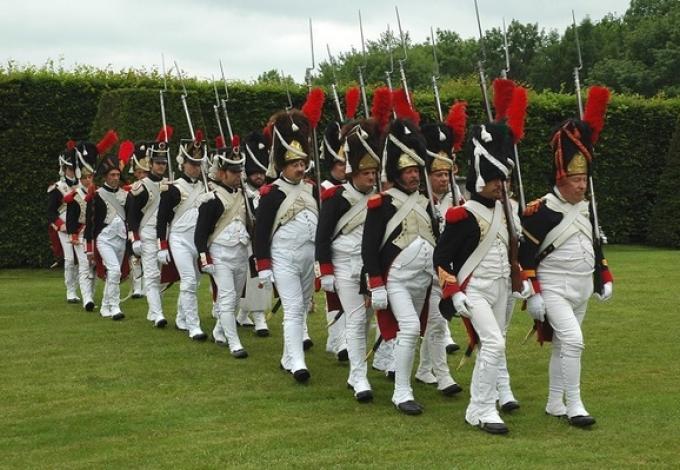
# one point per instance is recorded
(480, 63)
(224, 102)
(362, 85)
(401, 61)
(171, 175)
(334, 87)
(315, 138)
(285, 83)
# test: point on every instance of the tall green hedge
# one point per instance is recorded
(41, 111)
(665, 225)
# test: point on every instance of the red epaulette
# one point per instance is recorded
(68, 199)
(328, 193)
(532, 207)
(374, 201)
(264, 190)
(126, 188)
(456, 214)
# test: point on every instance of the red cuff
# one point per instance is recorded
(375, 281)
(90, 247)
(263, 264)
(449, 289)
(133, 236)
(68, 199)
(536, 285)
(326, 269)
(607, 276)
(58, 223)
(163, 245)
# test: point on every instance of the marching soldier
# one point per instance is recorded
(562, 256)
(222, 241)
(285, 232)
(106, 230)
(474, 268)
(175, 226)
(398, 241)
(433, 367)
(140, 167)
(56, 218)
(340, 231)
(334, 160)
(85, 155)
(258, 298)
(145, 198)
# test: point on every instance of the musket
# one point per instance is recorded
(334, 86)
(362, 84)
(599, 238)
(191, 126)
(290, 100)
(250, 218)
(480, 64)
(315, 138)
(513, 245)
(404, 85)
(388, 73)
(455, 191)
(504, 74)
(163, 118)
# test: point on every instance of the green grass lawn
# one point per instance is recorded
(79, 391)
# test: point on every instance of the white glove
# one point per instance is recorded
(536, 307)
(607, 292)
(163, 257)
(328, 282)
(461, 304)
(379, 298)
(137, 248)
(526, 291)
(266, 277)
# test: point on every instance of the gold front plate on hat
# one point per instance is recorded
(290, 156)
(578, 165)
(341, 154)
(367, 163)
(405, 161)
(439, 165)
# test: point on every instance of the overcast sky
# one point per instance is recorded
(249, 36)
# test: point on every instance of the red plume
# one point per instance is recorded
(502, 95)
(125, 151)
(352, 102)
(381, 108)
(402, 108)
(219, 142)
(70, 145)
(198, 135)
(313, 107)
(267, 132)
(235, 141)
(517, 112)
(457, 122)
(108, 141)
(165, 134)
(596, 108)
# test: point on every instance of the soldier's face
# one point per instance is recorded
(338, 171)
(140, 173)
(230, 178)
(256, 179)
(295, 171)
(192, 170)
(86, 180)
(112, 178)
(69, 172)
(364, 180)
(439, 181)
(573, 188)
(158, 168)
(492, 189)
(410, 178)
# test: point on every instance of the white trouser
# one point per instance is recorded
(383, 359)
(336, 340)
(231, 270)
(433, 346)
(357, 320)
(86, 272)
(184, 253)
(112, 250)
(503, 389)
(566, 299)
(407, 285)
(258, 299)
(294, 277)
(70, 269)
(489, 299)
(137, 275)
(151, 270)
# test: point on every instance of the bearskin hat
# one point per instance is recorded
(290, 138)
(404, 147)
(256, 152)
(332, 146)
(193, 150)
(362, 145)
(439, 141)
(489, 153)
